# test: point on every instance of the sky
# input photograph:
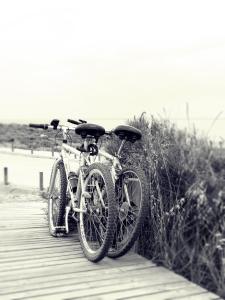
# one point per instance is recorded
(106, 61)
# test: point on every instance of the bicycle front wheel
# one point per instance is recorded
(98, 212)
(131, 195)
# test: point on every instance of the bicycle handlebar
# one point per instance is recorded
(46, 126)
(55, 124)
(41, 126)
(60, 127)
(80, 121)
(73, 122)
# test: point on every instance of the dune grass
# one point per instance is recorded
(185, 226)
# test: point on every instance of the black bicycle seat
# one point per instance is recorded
(129, 133)
(87, 129)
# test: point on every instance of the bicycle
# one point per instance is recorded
(126, 186)
(87, 195)
(131, 190)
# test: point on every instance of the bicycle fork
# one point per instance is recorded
(73, 203)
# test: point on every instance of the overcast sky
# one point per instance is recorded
(109, 60)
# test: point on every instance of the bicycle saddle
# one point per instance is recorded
(86, 129)
(129, 133)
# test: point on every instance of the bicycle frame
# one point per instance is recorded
(85, 160)
(116, 167)
(114, 159)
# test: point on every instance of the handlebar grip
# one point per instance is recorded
(73, 122)
(41, 126)
(82, 121)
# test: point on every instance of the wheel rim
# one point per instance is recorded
(128, 212)
(93, 222)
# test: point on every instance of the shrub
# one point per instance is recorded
(185, 226)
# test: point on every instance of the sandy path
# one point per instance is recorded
(24, 170)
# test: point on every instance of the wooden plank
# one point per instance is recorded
(64, 278)
(169, 291)
(35, 289)
(38, 252)
(39, 258)
(94, 287)
(27, 244)
(104, 290)
(42, 269)
(184, 293)
(32, 247)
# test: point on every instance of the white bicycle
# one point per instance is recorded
(87, 195)
(132, 192)
(108, 201)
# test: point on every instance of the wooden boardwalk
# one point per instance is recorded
(35, 265)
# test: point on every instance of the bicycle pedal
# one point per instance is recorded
(86, 195)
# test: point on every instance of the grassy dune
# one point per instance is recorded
(185, 226)
(25, 137)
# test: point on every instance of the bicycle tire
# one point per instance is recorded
(122, 244)
(97, 226)
(57, 198)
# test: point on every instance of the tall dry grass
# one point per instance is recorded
(185, 226)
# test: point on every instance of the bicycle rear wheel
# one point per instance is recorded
(57, 201)
(97, 224)
(132, 201)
